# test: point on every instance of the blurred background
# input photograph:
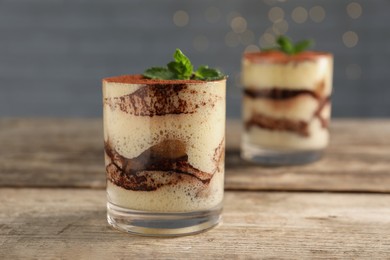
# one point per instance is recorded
(54, 53)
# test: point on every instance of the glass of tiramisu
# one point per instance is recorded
(164, 141)
(286, 104)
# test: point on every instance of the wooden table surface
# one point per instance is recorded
(52, 199)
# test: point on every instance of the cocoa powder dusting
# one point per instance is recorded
(283, 58)
(139, 79)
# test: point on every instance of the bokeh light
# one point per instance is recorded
(267, 40)
(181, 18)
(350, 39)
(238, 24)
(299, 14)
(354, 10)
(280, 27)
(275, 14)
(230, 16)
(317, 14)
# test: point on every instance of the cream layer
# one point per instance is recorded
(315, 75)
(202, 131)
(181, 197)
(301, 108)
(283, 140)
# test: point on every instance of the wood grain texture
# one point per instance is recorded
(69, 153)
(71, 224)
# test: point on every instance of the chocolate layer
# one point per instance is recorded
(322, 103)
(277, 93)
(285, 124)
(159, 100)
(153, 100)
(263, 121)
(163, 164)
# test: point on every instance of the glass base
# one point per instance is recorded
(269, 157)
(162, 224)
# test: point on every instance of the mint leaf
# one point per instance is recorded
(303, 45)
(206, 73)
(183, 65)
(181, 58)
(182, 68)
(179, 70)
(286, 45)
(158, 73)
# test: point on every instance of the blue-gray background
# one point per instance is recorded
(54, 53)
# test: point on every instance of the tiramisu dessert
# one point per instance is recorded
(164, 141)
(286, 103)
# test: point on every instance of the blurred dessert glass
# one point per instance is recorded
(286, 106)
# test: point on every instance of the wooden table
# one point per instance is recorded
(52, 199)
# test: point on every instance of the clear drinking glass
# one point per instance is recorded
(286, 106)
(164, 154)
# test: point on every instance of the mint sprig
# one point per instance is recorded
(182, 68)
(158, 73)
(206, 73)
(287, 46)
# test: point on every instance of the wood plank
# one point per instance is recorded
(71, 224)
(69, 153)
(51, 152)
(358, 159)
